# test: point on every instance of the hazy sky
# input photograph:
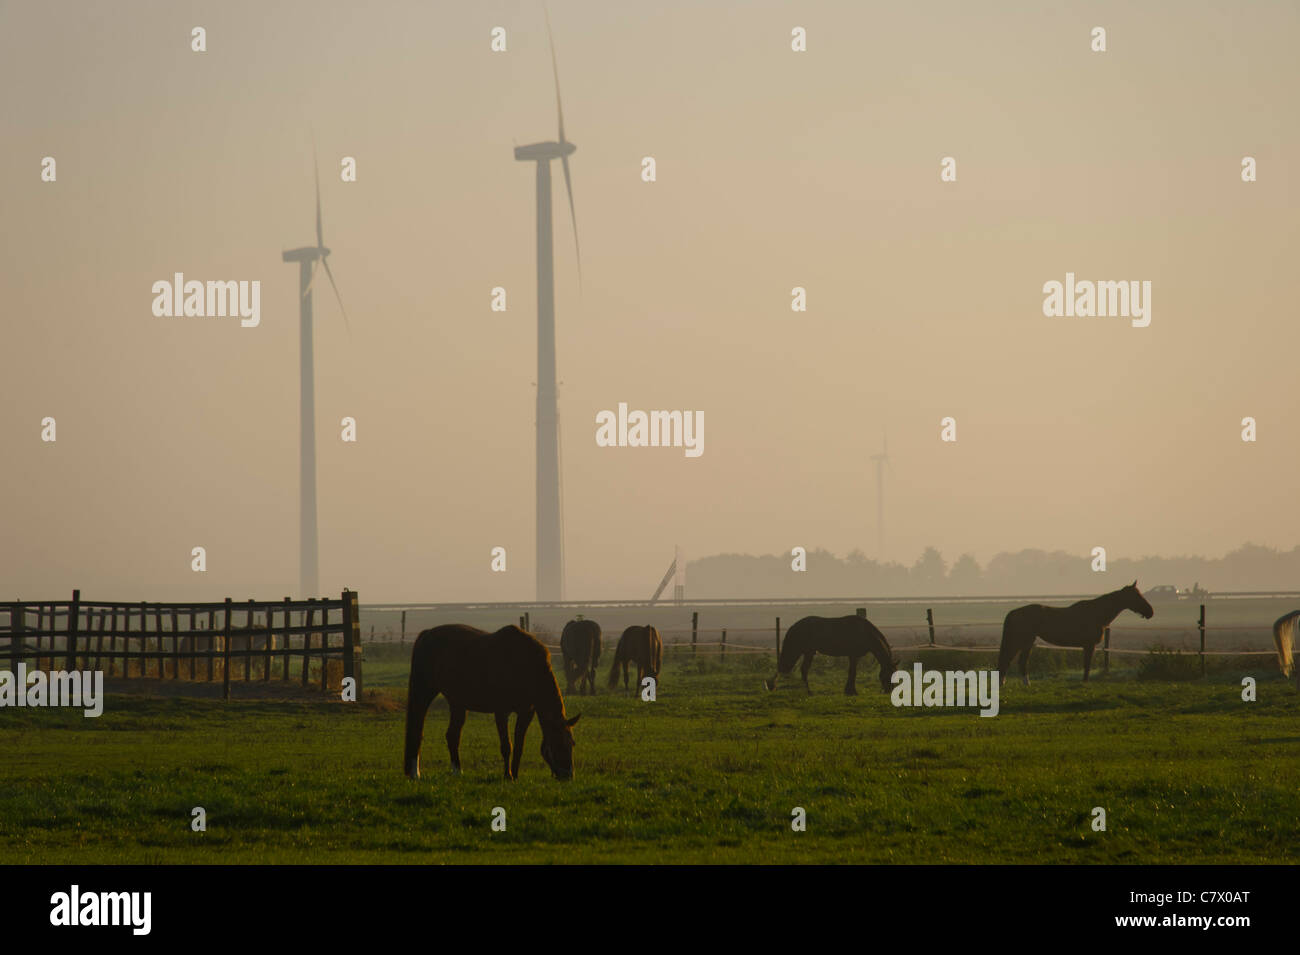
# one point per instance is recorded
(775, 169)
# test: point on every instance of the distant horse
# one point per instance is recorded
(1284, 630)
(639, 645)
(1081, 624)
(500, 673)
(580, 644)
(851, 637)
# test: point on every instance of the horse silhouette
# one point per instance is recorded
(851, 637)
(1284, 629)
(639, 645)
(580, 645)
(1081, 624)
(500, 673)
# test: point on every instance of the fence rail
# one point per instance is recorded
(76, 632)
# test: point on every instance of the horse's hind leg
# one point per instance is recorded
(521, 728)
(453, 736)
(804, 668)
(850, 689)
(1087, 660)
(1024, 662)
(503, 734)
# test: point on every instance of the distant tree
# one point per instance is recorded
(965, 577)
(929, 570)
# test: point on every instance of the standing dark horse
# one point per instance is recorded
(851, 637)
(1078, 625)
(501, 673)
(639, 645)
(1284, 630)
(580, 644)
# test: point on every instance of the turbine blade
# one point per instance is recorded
(315, 263)
(568, 186)
(315, 165)
(559, 107)
(330, 275)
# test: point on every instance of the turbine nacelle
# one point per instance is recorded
(308, 253)
(536, 152)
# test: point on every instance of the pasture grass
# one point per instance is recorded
(1187, 773)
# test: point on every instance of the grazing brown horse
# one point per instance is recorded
(851, 637)
(1081, 624)
(639, 645)
(500, 673)
(1284, 631)
(580, 644)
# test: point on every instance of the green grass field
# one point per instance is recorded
(1186, 771)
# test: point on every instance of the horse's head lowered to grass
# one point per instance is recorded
(557, 745)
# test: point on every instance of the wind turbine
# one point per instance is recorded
(550, 531)
(881, 460)
(308, 257)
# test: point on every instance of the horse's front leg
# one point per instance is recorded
(849, 688)
(1087, 660)
(521, 727)
(503, 733)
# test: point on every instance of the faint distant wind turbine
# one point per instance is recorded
(308, 257)
(550, 528)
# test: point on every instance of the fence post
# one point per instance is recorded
(351, 632)
(248, 645)
(528, 622)
(74, 610)
(352, 659)
(695, 626)
(17, 642)
(225, 688)
(144, 640)
(523, 622)
(862, 612)
(778, 640)
(1105, 653)
(306, 638)
(212, 629)
(287, 641)
(270, 640)
(929, 619)
(176, 645)
(724, 645)
(403, 626)
(1201, 626)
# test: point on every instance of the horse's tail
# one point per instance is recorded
(1284, 636)
(420, 691)
(1007, 649)
(656, 650)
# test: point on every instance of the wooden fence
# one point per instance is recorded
(85, 634)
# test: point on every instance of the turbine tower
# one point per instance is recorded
(881, 460)
(550, 532)
(308, 257)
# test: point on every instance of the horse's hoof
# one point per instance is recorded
(767, 684)
(455, 770)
